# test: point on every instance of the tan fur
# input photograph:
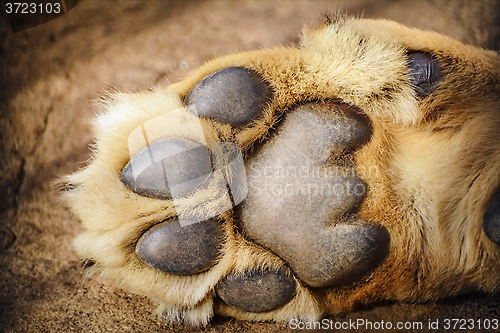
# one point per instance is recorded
(431, 168)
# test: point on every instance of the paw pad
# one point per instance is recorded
(491, 220)
(233, 95)
(167, 167)
(425, 73)
(301, 205)
(172, 248)
(258, 290)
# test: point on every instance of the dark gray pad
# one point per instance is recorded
(257, 290)
(172, 248)
(167, 167)
(425, 71)
(300, 202)
(491, 220)
(233, 95)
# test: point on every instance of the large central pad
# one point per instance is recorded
(303, 192)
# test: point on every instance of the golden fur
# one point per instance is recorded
(431, 166)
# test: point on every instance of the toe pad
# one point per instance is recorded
(168, 167)
(426, 73)
(257, 290)
(233, 95)
(491, 220)
(172, 248)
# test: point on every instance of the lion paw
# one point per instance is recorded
(296, 182)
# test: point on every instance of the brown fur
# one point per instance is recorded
(432, 166)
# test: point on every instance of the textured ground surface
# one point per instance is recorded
(49, 75)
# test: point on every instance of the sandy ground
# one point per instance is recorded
(49, 75)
